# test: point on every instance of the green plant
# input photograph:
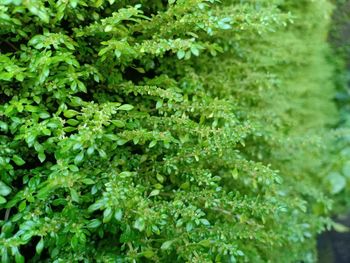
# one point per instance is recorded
(340, 43)
(164, 131)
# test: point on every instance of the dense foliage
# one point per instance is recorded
(339, 39)
(165, 131)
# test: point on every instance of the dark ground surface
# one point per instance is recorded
(334, 247)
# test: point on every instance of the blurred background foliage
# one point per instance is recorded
(339, 39)
(333, 245)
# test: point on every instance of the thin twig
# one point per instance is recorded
(11, 45)
(7, 214)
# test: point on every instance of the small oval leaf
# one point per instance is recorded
(40, 246)
(126, 107)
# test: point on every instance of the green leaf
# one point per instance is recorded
(95, 207)
(141, 70)
(117, 53)
(44, 115)
(126, 107)
(42, 157)
(337, 182)
(95, 223)
(74, 195)
(140, 224)
(148, 254)
(70, 113)
(69, 129)
(125, 174)
(44, 192)
(154, 193)
(181, 54)
(118, 215)
(340, 228)
(205, 222)
(118, 123)
(43, 16)
(22, 206)
(4, 255)
(152, 143)
(167, 244)
(39, 246)
(18, 160)
(223, 23)
(73, 168)
(73, 122)
(159, 104)
(188, 55)
(79, 158)
(185, 185)
(90, 150)
(2, 200)
(107, 215)
(108, 28)
(195, 51)
(31, 139)
(160, 178)
(3, 126)
(88, 181)
(189, 226)
(205, 243)
(4, 189)
(81, 86)
(19, 258)
(74, 242)
(102, 153)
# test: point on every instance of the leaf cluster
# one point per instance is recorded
(164, 131)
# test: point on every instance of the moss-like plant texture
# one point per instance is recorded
(164, 131)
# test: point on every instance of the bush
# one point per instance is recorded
(340, 43)
(165, 131)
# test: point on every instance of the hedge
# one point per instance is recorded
(339, 39)
(165, 131)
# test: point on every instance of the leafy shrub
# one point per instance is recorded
(164, 131)
(340, 43)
